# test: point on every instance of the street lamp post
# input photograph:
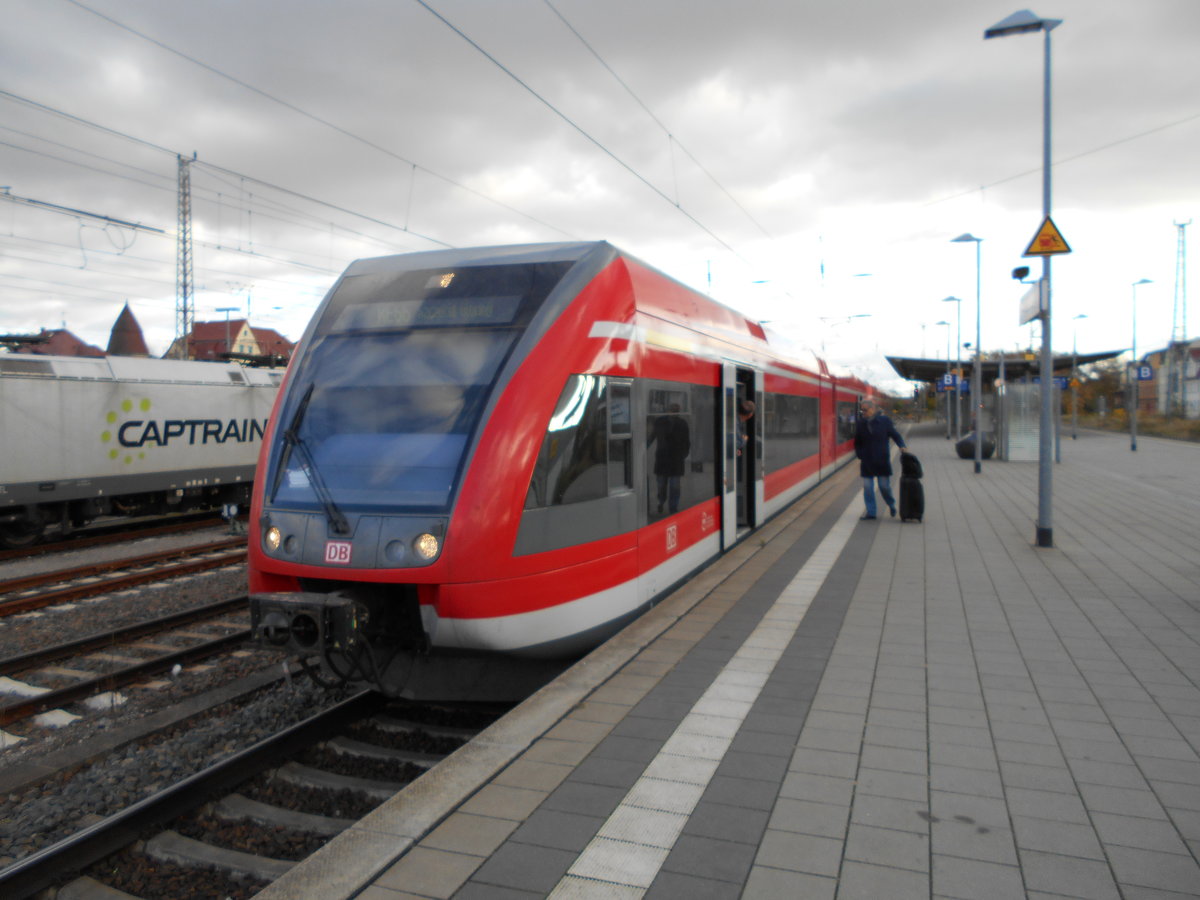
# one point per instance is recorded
(1075, 375)
(947, 393)
(977, 390)
(1133, 373)
(1023, 22)
(957, 371)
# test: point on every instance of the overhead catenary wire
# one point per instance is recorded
(147, 262)
(168, 186)
(1067, 159)
(87, 123)
(159, 232)
(345, 132)
(672, 138)
(575, 125)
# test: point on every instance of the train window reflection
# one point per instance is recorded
(681, 463)
(572, 465)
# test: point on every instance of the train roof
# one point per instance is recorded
(590, 257)
(508, 254)
(127, 368)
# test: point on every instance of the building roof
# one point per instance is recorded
(271, 341)
(917, 369)
(126, 338)
(59, 342)
(219, 340)
(209, 340)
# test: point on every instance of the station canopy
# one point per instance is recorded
(1016, 365)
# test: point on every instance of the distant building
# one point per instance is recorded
(126, 338)
(1147, 391)
(212, 340)
(272, 343)
(1176, 386)
(58, 342)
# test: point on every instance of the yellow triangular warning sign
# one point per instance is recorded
(1047, 241)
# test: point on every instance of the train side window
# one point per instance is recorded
(790, 430)
(573, 462)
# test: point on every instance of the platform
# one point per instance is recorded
(853, 709)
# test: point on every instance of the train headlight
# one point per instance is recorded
(273, 539)
(426, 546)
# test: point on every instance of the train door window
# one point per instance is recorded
(620, 437)
(847, 420)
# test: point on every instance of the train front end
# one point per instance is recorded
(361, 491)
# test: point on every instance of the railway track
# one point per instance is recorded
(102, 535)
(232, 828)
(126, 648)
(19, 595)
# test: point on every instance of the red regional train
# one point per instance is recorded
(484, 462)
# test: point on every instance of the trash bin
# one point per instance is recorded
(966, 447)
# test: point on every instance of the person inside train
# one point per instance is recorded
(672, 443)
(745, 413)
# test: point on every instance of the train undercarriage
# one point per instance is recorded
(373, 635)
(26, 525)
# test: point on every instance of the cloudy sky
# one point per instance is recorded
(804, 162)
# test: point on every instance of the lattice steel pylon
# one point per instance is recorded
(185, 313)
(1179, 321)
(1177, 349)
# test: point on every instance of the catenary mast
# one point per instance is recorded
(1177, 349)
(185, 312)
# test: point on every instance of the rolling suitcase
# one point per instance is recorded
(912, 492)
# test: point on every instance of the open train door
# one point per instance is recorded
(728, 455)
(742, 478)
(757, 484)
(827, 430)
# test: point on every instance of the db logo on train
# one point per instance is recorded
(337, 553)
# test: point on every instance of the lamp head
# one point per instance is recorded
(965, 238)
(1020, 22)
(1020, 273)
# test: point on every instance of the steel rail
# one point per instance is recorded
(38, 601)
(107, 639)
(109, 534)
(31, 706)
(52, 864)
(11, 585)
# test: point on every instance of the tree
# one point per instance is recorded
(1102, 379)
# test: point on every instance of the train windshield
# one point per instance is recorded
(400, 367)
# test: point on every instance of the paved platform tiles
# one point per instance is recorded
(857, 709)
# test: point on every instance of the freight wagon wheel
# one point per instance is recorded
(16, 536)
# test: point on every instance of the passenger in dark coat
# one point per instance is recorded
(672, 442)
(871, 437)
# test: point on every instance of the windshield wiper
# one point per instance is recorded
(293, 441)
(290, 439)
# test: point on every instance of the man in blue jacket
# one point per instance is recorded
(871, 447)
